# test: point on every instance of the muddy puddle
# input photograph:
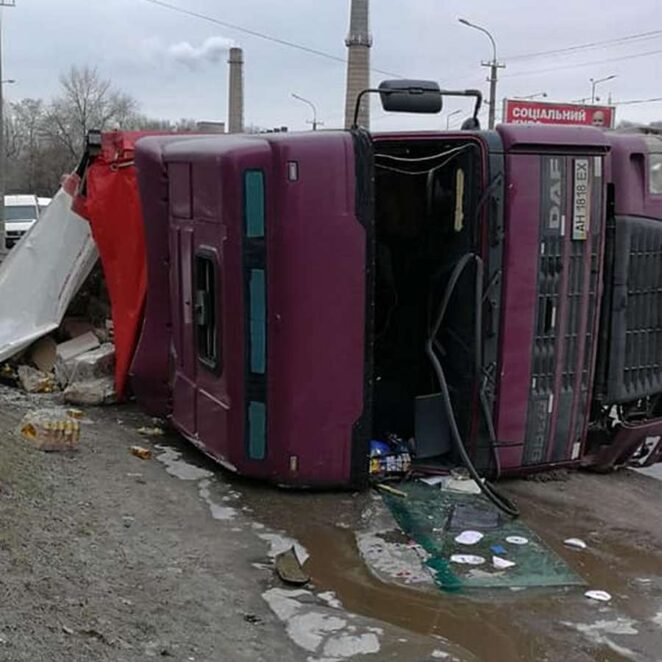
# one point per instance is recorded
(493, 625)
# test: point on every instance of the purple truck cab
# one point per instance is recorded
(293, 280)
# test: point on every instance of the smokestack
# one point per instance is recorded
(236, 91)
(358, 42)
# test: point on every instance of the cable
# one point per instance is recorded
(419, 159)
(582, 64)
(260, 35)
(500, 501)
(580, 47)
(423, 172)
(635, 101)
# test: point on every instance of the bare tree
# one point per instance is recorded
(87, 101)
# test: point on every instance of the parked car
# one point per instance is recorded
(21, 213)
(42, 203)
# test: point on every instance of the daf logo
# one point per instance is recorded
(554, 194)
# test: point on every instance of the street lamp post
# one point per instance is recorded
(595, 81)
(535, 95)
(494, 66)
(3, 245)
(448, 117)
(314, 121)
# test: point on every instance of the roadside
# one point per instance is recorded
(105, 556)
(109, 557)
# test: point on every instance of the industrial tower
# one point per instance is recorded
(358, 42)
(236, 91)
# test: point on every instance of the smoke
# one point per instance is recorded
(212, 49)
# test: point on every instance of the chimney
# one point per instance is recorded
(358, 42)
(236, 91)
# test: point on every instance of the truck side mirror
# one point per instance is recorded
(410, 96)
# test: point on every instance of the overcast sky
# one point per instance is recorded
(175, 65)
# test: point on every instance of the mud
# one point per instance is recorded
(108, 557)
(617, 515)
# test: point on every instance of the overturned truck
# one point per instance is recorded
(495, 296)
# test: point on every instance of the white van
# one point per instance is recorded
(21, 213)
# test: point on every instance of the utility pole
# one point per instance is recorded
(494, 66)
(3, 244)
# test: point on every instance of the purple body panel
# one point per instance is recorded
(631, 170)
(519, 301)
(550, 298)
(315, 251)
(317, 294)
(316, 298)
(150, 369)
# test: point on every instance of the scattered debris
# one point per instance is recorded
(391, 490)
(289, 568)
(252, 619)
(502, 564)
(141, 452)
(600, 596)
(67, 630)
(498, 549)
(74, 327)
(87, 377)
(93, 392)
(577, 543)
(467, 559)
(473, 515)
(389, 457)
(517, 540)
(50, 430)
(76, 346)
(151, 432)
(43, 354)
(91, 364)
(433, 480)
(35, 381)
(78, 414)
(469, 537)
(464, 485)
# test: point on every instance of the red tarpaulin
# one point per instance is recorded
(111, 203)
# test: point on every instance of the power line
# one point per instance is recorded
(634, 101)
(582, 64)
(579, 47)
(260, 35)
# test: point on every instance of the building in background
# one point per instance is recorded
(210, 126)
(358, 42)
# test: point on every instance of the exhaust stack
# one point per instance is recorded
(236, 91)
(358, 42)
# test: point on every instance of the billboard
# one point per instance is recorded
(520, 111)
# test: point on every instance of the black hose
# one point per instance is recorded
(500, 501)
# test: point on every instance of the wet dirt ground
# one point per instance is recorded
(108, 557)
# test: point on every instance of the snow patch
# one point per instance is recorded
(279, 543)
(600, 631)
(317, 629)
(330, 598)
(223, 513)
(175, 466)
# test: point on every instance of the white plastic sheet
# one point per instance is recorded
(42, 273)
